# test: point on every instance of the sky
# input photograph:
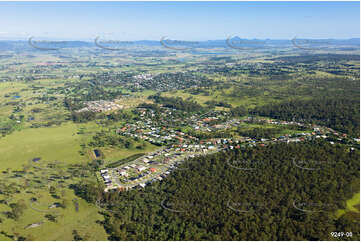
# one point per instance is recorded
(179, 20)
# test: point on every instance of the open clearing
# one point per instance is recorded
(352, 205)
(67, 219)
(52, 143)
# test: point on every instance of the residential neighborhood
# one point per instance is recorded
(100, 106)
(178, 147)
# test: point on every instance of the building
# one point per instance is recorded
(140, 168)
(123, 173)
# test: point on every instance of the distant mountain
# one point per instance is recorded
(235, 42)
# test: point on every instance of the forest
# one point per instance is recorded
(177, 103)
(247, 194)
(340, 114)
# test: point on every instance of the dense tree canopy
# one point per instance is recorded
(258, 193)
(339, 114)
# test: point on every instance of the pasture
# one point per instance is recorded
(51, 143)
(40, 190)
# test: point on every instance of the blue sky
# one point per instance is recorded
(179, 20)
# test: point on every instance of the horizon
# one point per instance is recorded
(155, 40)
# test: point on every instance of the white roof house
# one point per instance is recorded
(123, 173)
(141, 168)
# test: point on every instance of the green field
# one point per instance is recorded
(352, 205)
(52, 143)
(112, 155)
(67, 220)
(57, 143)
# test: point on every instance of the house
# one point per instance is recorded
(140, 168)
(153, 169)
(123, 173)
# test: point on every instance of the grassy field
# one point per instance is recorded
(221, 95)
(112, 155)
(67, 220)
(60, 143)
(283, 128)
(56, 143)
(51, 143)
(7, 92)
(352, 205)
(131, 102)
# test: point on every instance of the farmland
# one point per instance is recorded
(25, 145)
